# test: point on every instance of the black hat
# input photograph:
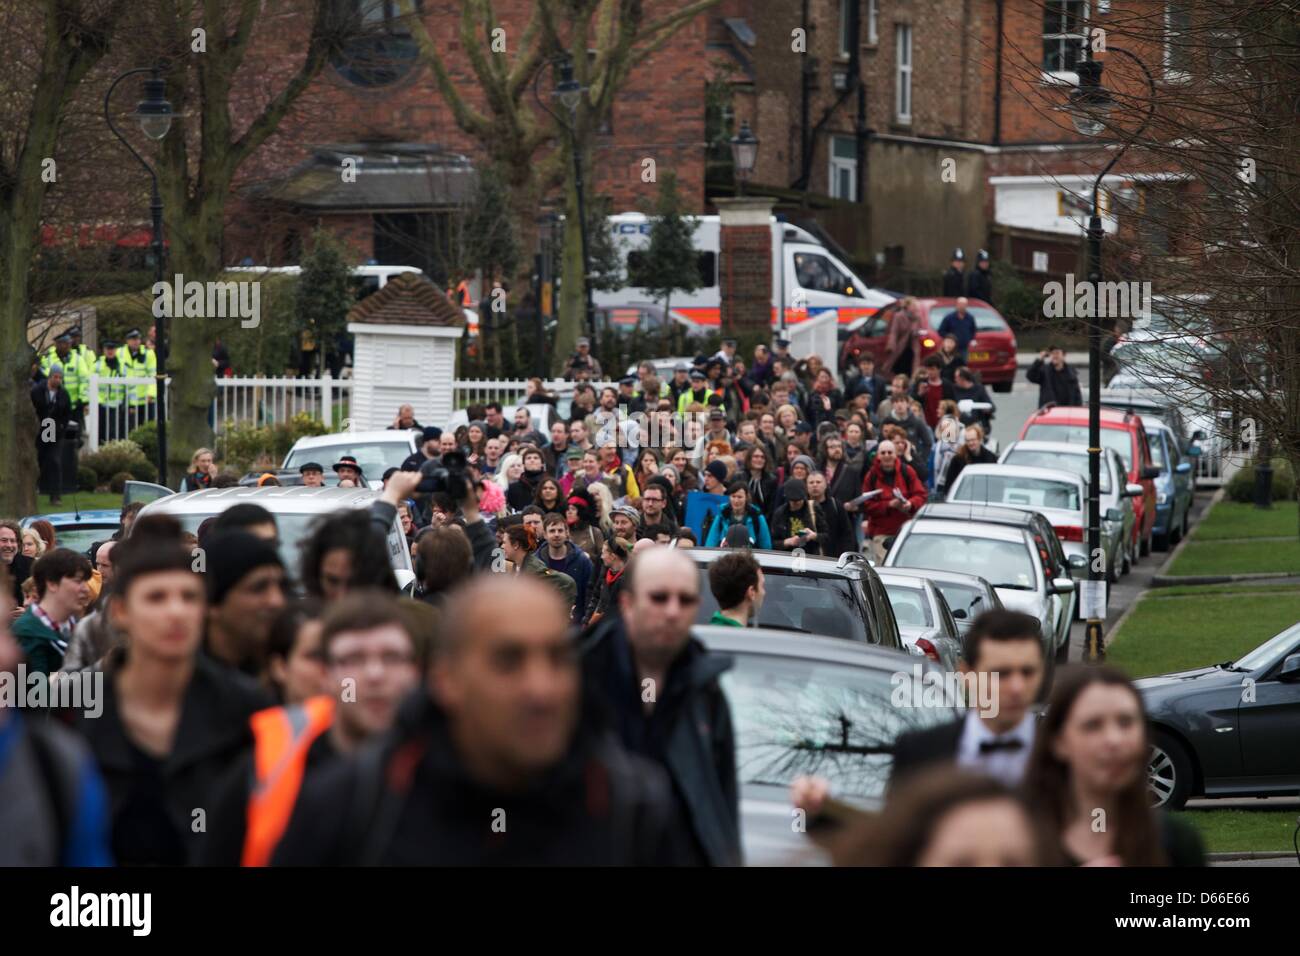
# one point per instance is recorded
(133, 334)
(782, 343)
(311, 466)
(958, 254)
(108, 344)
(796, 490)
(803, 428)
(75, 330)
(346, 460)
(432, 433)
(63, 337)
(983, 255)
(628, 380)
(717, 469)
(730, 342)
(716, 412)
(230, 556)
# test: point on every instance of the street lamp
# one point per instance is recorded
(568, 93)
(154, 114)
(744, 153)
(1089, 105)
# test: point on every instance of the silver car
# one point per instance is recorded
(375, 451)
(295, 509)
(967, 595)
(925, 621)
(1059, 496)
(1115, 500)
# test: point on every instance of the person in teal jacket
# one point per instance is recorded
(740, 512)
(45, 628)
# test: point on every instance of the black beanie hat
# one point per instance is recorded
(230, 555)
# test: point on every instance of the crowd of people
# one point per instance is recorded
(540, 697)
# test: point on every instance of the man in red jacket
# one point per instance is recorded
(898, 494)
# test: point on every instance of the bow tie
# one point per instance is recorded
(1002, 743)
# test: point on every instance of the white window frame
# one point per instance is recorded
(903, 72)
(840, 165)
(842, 42)
(873, 22)
(1066, 76)
(1171, 75)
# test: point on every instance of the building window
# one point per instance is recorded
(903, 74)
(377, 49)
(846, 28)
(1178, 22)
(873, 19)
(1064, 33)
(844, 168)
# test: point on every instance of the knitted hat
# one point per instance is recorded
(718, 470)
(796, 490)
(230, 556)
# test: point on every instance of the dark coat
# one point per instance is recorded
(576, 565)
(782, 521)
(979, 284)
(212, 737)
(1059, 388)
(847, 483)
(919, 749)
(963, 458)
(49, 444)
(840, 523)
(407, 800)
(688, 733)
(954, 283)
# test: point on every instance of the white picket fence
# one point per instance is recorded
(251, 401)
(480, 391)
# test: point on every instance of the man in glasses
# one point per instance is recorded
(654, 506)
(659, 687)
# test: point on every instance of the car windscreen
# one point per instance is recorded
(1034, 458)
(911, 609)
(796, 717)
(1116, 438)
(1270, 649)
(80, 537)
(1018, 491)
(986, 320)
(375, 458)
(801, 602)
(966, 602)
(1006, 564)
(1157, 444)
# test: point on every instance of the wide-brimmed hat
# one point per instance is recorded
(347, 461)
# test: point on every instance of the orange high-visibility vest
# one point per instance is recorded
(281, 738)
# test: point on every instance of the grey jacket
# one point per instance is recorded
(93, 637)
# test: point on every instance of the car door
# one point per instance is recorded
(1268, 718)
(144, 492)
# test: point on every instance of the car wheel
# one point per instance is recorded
(1169, 773)
(1112, 574)
(1002, 387)
(1160, 542)
(1125, 558)
(1175, 532)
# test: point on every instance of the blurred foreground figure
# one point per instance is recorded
(945, 817)
(496, 765)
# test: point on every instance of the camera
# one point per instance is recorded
(445, 474)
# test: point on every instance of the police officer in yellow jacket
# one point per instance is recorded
(112, 397)
(140, 362)
(75, 372)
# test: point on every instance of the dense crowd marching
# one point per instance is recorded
(539, 699)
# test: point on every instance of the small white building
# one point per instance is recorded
(407, 339)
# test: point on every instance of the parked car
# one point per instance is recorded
(992, 353)
(1173, 486)
(1114, 494)
(1059, 496)
(1228, 730)
(1122, 431)
(803, 704)
(78, 530)
(924, 618)
(967, 595)
(295, 510)
(1016, 550)
(835, 597)
(375, 451)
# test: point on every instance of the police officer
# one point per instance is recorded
(979, 284)
(140, 362)
(954, 280)
(84, 352)
(112, 397)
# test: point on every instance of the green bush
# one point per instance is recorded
(1242, 485)
(144, 471)
(241, 445)
(146, 436)
(113, 458)
(87, 478)
(117, 484)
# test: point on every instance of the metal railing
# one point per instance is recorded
(480, 391)
(110, 414)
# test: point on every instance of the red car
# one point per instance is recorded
(1122, 431)
(992, 353)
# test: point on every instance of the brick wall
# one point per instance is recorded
(746, 278)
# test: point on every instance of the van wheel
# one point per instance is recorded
(1002, 387)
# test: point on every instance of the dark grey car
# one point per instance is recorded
(806, 705)
(1231, 730)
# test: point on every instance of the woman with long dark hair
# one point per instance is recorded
(1087, 776)
(757, 475)
(549, 497)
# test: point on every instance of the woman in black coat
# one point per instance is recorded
(174, 723)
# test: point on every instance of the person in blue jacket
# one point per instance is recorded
(740, 512)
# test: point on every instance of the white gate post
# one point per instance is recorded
(92, 415)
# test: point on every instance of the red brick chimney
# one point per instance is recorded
(745, 265)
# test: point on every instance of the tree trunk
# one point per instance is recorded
(571, 316)
(17, 416)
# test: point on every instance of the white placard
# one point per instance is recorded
(1040, 262)
(1092, 599)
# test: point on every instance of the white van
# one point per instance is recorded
(806, 276)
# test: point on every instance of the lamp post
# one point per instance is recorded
(568, 93)
(154, 114)
(1089, 104)
(744, 153)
